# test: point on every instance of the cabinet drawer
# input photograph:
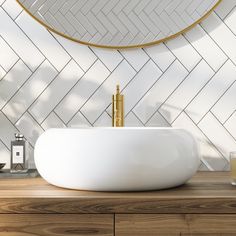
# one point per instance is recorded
(56, 224)
(173, 225)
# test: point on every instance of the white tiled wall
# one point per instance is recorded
(190, 82)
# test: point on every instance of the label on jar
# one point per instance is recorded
(18, 154)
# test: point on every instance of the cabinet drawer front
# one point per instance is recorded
(56, 224)
(174, 224)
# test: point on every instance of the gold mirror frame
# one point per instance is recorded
(122, 47)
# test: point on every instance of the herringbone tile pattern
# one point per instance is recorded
(116, 22)
(190, 82)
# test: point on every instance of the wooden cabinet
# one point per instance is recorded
(124, 225)
(56, 225)
(205, 206)
(175, 225)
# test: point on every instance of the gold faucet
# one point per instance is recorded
(118, 108)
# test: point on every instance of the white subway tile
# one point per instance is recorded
(230, 125)
(98, 6)
(7, 130)
(82, 91)
(205, 46)
(136, 6)
(133, 30)
(103, 121)
(157, 120)
(54, 93)
(10, 32)
(210, 155)
(110, 58)
(79, 29)
(67, 6)
(153, 5)
(5, 156)
(52, 21)
(52, 121)
(113, 18)
(226, 105)
(142, 82)
(80, 53)
(208, 96)
(153, 99)
(28, 93)
(172, 6)
(119, 7)
(201, 9)
(8, 57)
(79, 121)
(161, 55)
(230, 20)
(12, 8)
(109, 6)
(30, 128)
(225, 8)
(186, 54)
(136, 57)
(30, 154)
(84, 21)
(171, 24)
(153, 30)
(87, 6)
(132, 121)
(176, 17)
(138, 23)
(76, 7)
(221, 34)
(187, 90)
(218, 135)
(43, 40)
(96, 23)
(165, 30)
(2, 72)
(13, 81)
(102, 97)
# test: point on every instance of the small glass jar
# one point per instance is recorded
(19, 161)
(233, 167)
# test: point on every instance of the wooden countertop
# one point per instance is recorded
(206, 192)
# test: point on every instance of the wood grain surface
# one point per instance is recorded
(175, 224)
(207, 192)
(56, 225)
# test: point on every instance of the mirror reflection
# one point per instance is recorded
(118, 23)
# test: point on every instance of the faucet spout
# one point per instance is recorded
(118, 108)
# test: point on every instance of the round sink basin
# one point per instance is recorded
(117, 159)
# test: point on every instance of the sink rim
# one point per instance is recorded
(125, 128)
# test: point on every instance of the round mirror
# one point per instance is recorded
(119, 23)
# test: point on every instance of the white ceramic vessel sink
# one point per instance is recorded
(116, 159)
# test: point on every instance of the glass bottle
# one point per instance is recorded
(18, 154)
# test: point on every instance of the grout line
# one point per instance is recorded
(32, 73)
(199, 91)
(210, 109)
(229, 117)
(184, 79)
(223, 126)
